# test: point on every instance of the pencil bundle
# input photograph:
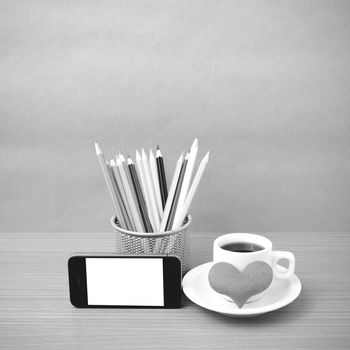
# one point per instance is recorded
(139, 190)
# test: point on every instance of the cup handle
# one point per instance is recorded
(278, 271)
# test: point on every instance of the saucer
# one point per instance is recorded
(280, 293)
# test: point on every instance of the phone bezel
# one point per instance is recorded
(171, 281)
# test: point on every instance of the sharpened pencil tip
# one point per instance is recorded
(97, 149)
(181, 157)
(138, 156)
(157, 146)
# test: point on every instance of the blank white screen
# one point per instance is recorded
(125, 281)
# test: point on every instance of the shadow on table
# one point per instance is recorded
(290, 313)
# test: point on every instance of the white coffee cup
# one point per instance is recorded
(241, 260)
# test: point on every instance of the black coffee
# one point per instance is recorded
(242, 247)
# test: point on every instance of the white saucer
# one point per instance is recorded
(280, 293)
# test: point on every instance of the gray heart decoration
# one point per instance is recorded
(225, 279)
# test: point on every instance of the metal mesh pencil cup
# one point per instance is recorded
(175, 242)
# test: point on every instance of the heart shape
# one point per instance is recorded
(226, 279)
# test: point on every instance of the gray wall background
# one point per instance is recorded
(263, 84)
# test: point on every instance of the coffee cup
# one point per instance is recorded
(242, 249)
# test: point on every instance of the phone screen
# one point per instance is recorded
(132, 281)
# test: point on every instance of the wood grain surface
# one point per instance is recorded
(35, 312)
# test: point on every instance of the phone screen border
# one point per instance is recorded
(171, 280)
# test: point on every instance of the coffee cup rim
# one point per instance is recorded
(243, 237)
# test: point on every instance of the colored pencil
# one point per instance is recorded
(127, 173)
(145, 190)
(140, 198)
(171, 194)
(161, 177)
(187, 178)
(169, 224)
(150, 187)
(155, 181)
(109, 182)
(122, 197)
(132, 188)
(129, 196)
(119, 183)
(191, 192)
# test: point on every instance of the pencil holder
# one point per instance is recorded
(174, 242)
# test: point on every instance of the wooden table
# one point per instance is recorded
(35, 312)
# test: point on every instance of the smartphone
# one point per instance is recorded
(124, 281)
